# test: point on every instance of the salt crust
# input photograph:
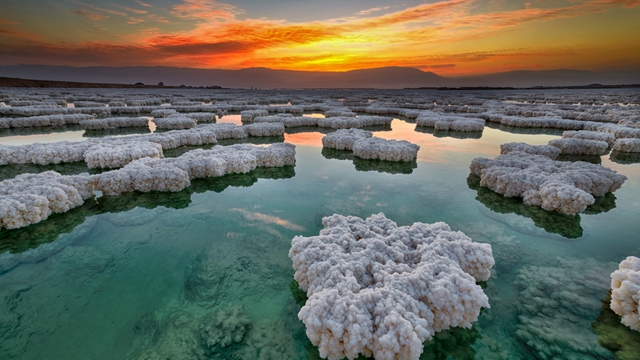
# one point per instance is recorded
(175, 122)
(627, 145)
(249, 115)
(45, 120)
(344, 139)
(161, 113)
(30, 198)
(334, 122)
(111, 123)
(573, 146)
(390, 150)
(567, 187)
(378, 289)
(448, 122)
(625, 292)
(115, 155)
(551, 152)
(589, 135)
(264, 129)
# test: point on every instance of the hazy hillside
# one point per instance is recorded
(387, 77)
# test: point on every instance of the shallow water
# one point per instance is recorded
(143, 276)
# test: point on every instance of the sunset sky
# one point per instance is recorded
(451, 38)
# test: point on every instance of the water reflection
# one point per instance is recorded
(553, 222)
(625, 158)
(450, 133)
(391, 167)
(30, 237)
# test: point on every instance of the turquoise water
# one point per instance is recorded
(204, 273)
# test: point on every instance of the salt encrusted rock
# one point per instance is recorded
(265, 129)
(390, 150)
(288, 121)
(45, 120)
(344, 139)
(351, 122)
(627, 145)
(449, 122)
(30, 198)
(590, 135)
(175, 122)
(162, 113)
(573, 146)
(378, 289)
(202, 117)
(545, 150)
(625, 292)
(567, 187)
(228, 131)
(119, 155)
(173, 174)
(112, 123)
(249, 115)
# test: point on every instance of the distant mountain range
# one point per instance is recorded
(383, 78)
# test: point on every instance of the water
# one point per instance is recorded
(204, 273)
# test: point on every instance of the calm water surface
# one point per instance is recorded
(204, 273)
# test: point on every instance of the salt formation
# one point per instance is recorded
(344, 139)
(162, 113)
(627, 145)
(202, 117)
(353, 122)
(545, 150)
(46, 120)
(567, 187)
(228, 131)
(390, 150)
(288, 121)
(174, 174)
(249, 115)
(265, 129)
(589, 135)
(115, 155)
(625, 292)
(30, 198)
(573, 146)
(378, 289)
(175, 122)
(112, 123)
(448, 122)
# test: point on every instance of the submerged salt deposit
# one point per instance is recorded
(625, 294)
(566, 187)
(378, 289)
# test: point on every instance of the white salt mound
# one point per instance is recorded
(44, 120)
(567, 187)
(589, 135)
(249, 115)
(390, 150)
(111, 123)
(30, 198)
(228, 131)
(449, 122)
(288, 121)
(265, 129)
(625, 292)
(573, 146)
(378, 289)
(352, 122)
(162, 113)
(344, 139)
(627, 145)
(175, 122)
(551, 152)
(118, 155)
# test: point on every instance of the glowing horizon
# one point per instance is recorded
(450, 38)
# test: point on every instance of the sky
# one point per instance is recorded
(450, 38)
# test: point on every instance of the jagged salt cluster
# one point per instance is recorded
(551, 152)
(574, 146)
(344, 139)
(589, 135)
(175, 122)
(627, 145)
(30, 198)
(112, 123)
(449, 122)
(567, 187)
(115, 155)
(378, 289)
(264, 129)
(249, 115)
(390, 150)
(625, 292)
